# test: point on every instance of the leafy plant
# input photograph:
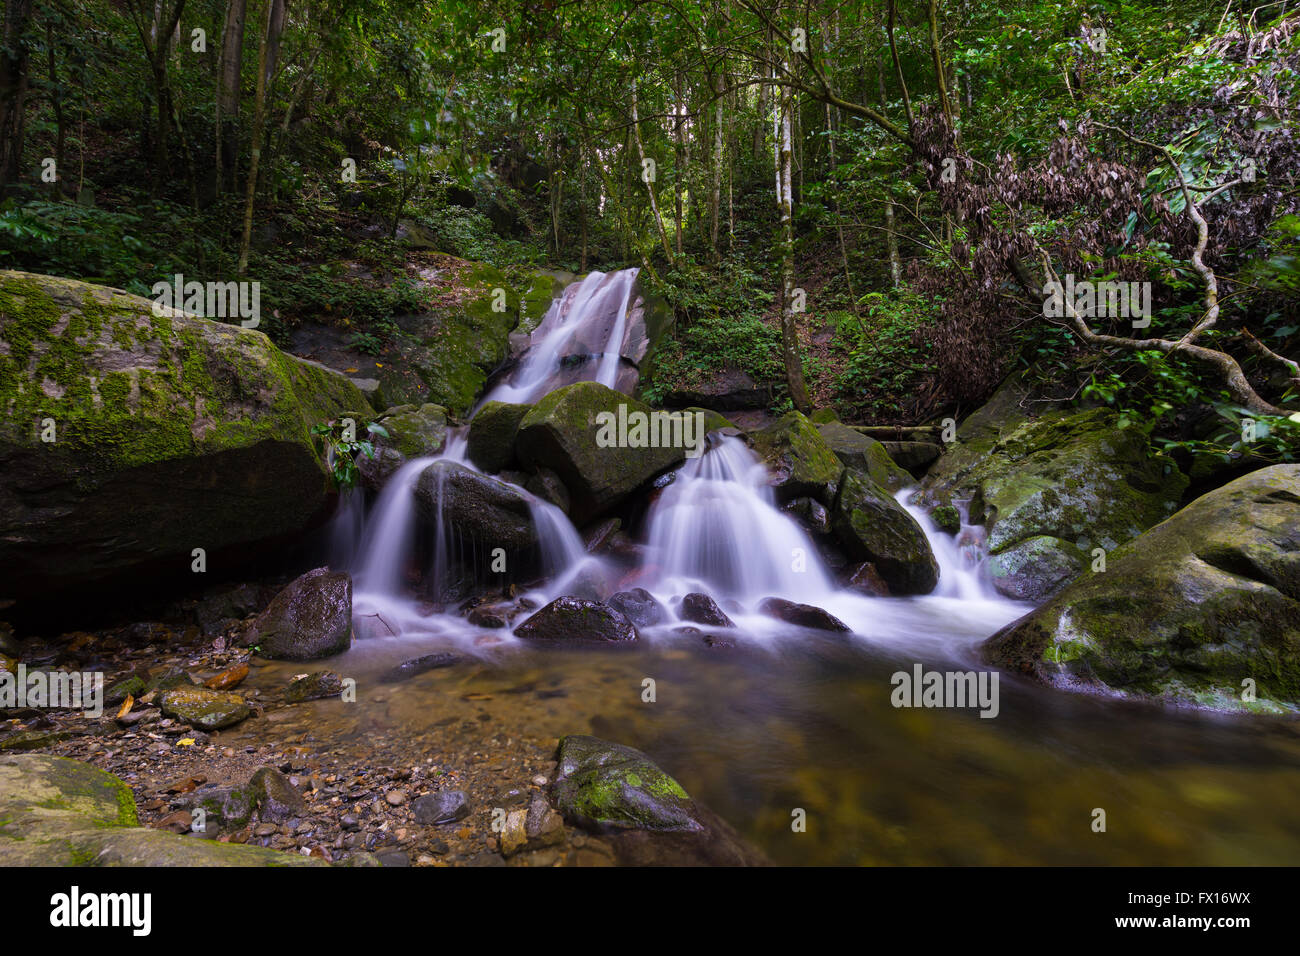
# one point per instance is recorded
(338, 443)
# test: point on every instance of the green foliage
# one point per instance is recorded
(340, 447)
(885, 352)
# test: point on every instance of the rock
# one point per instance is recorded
(60, 812)
(180, 432)
(203, 708)
(315, 686)
(1187, 612)
(276, 799)
(413, 432)
(729, 390)
(811, 514)
(543, 826)
(864, 579)
(946, 518)
(801, 615)
(595, 537)
(1073, 477)
(713, 421)
(476, 505)
(217, 611)
(546, 485)
(170, 678)
(872, 526)
(560, 433)
(226, 808)
(639, 606)
(646, 815)
(33, 739)
(571, 619)
(118, 691)
(514, 834)
(227, 679)
(491, 441)
(395, 798)
(914, 457)
(799, 459)
(435, 809)
(375, 472)
(863, 453)
(311, 618)
(702, 609)
(409, 669)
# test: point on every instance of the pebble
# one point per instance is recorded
(395, 798)
(540, 781)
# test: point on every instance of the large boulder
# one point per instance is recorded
(60, 812)
(484, 508)
(576, 620)
(1190, 611)
(491, 442)
(311, 618)
(864, 453)
(801, 462)
(561, 433)
(415, 431)
(1052, 489)
(128, 439)
(872, 526)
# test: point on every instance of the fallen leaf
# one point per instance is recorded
(126, 706)
(187, 742)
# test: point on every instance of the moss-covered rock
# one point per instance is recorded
(203, 708)
(864, 453)
(561, 433)
(415, 432)
(604, 785)
(1070, 476)
(1188, 612)
(311, 618)
(798, 457)
(491, 441)
(127, 439)
(60, 812)
(872, 526)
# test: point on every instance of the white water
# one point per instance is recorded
(715, 528)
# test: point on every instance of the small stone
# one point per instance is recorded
(438, 808)
(395, 798)
(514, 835)
(540, 781)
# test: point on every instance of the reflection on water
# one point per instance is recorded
(807, 723)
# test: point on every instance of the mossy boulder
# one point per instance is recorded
(1196, 611)
(872, 526)
(864, 453)
(561, 433)
(60, 812)
(311, 618)
(491, 442)
(603, 785)
(204, 709)
(798, 457)
(1073, 477)
(415, 431)
(478, 506)
(444, 355)
(128, 439)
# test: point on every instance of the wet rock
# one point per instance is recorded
(601, 785)
(218, 611)
(801, 615)
(546, 485)
(713, 640)
(946, 518)
(800, 461)
(702, 609)
(435, 809)
(476, 505)
(408, 669)
(572, 619)
(311, 618)
(226, 808)
(413, 431)
(491, 615)
(811, 513)
(227, 679)
(203, 708)
(872, 526)
(864, 579)
(1185, 612)
(561, 432)
(491, 441)
(913, 456)
(863, 453)
(32, 739)
(276, 799)
(168, 679)
(315, 686)
(639, 606)
(595, 536)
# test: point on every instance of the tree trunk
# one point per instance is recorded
(783, 120)
(227, 104)
(265, 67)
(650, 186)
(13, 89)
(715, 193)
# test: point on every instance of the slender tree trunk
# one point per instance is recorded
(782, 121)
(891, 236)
(265, 67)
(227, 105)
(14, 83)
(679, 170)
(649, 185)
(715, 193)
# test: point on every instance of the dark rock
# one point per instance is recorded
(571, 619)
(477, 505)
(872, 526)
(311, 618)
(491, 441)
(439, 808)
(429, 662)
(639, 606)
(702, 609)
(864, 579)
(546, 484)
(276, 799)
(811, 514)
(801, 615)
(317, 686)
(913, 456)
